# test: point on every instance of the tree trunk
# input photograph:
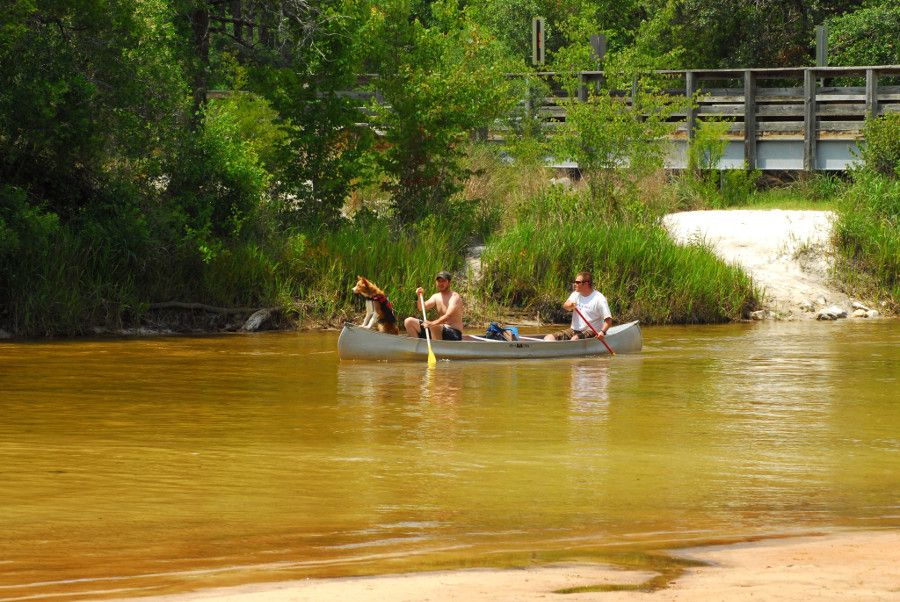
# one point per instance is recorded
(236, 15)
(200, 39)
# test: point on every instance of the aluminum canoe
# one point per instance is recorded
(358, 343)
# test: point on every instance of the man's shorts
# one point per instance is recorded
(568, 333)
(447, 333)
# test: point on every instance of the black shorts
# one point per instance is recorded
(447, 333)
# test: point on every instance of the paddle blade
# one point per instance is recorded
(432, 361)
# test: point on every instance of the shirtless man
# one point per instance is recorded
(449, 324)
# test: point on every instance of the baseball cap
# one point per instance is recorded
(444, 274)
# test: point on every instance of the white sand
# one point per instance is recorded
(854, 566)
(787, 253)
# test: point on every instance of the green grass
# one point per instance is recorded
(867, 233)
(324, 268)
(740, 189)
(786, 198)
(65, 279)
(636, 265)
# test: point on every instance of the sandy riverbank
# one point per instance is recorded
(788, 253)
(857, 566)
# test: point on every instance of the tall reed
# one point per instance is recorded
(868, 235)
(643, 273)
(318, 271)
(868, 225)
(68, 286)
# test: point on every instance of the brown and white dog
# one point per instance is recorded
(379, 311)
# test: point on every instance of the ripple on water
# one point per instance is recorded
(133, 466)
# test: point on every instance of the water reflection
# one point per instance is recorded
(588, 388)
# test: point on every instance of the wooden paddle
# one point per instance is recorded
(432, 361)
(608, 348)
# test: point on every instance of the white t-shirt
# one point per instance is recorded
(594, 307)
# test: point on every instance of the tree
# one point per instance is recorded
(510, 21)
(89, 92)
(285, 33)
(868, 36)
(615, 145)
(439, 84)
(297, 55)
(740, 33)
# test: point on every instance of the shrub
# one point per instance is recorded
(616, 146)
(868, 228)
(704, 184)
(867, 36)
(881, 151)
(218, 183)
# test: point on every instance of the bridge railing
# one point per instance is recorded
(792, 118)
(808, 118)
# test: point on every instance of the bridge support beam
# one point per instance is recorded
(871, 93)
(750, 119)
(690, 88)
(810, 130)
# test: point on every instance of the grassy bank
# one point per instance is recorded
(868, 237)
(66, 277)
(645, 275)
(867, 233)
(77, 280)
(71, 281)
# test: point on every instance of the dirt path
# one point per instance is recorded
(787, 253)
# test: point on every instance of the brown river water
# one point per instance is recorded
(134, 467)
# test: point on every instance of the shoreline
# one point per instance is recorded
(838, 566)
(787, 253)
(150, 333)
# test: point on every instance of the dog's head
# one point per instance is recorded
(364, 287)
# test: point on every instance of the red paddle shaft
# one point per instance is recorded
(608, 348)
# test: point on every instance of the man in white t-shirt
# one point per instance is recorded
(592, 306)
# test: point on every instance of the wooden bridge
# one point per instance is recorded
(780, 119)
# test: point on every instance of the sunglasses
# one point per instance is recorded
(581, 282)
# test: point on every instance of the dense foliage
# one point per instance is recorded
(868, 36)
(868, 230)
(634, 262)
(210, 151)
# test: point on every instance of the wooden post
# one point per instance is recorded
(690, 88)
(871, 93)
(582, 87)
(537, 41)
(821, 49)
(634, 93)
(809, 120)
(750, 119)
(821, 46)
(236, 15)
(598, 45)
(598, 48)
